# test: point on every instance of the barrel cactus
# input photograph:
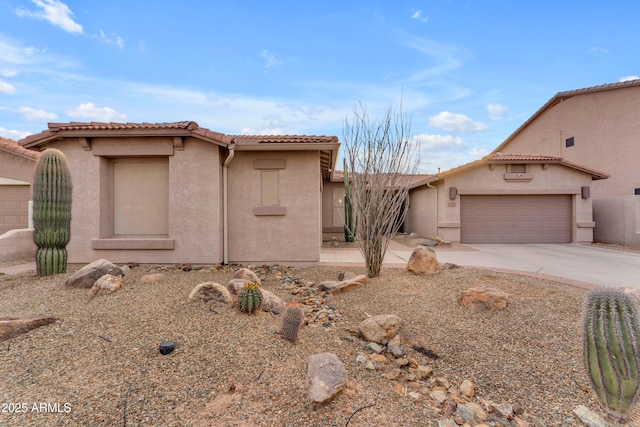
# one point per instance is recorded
(612, 349)
(51, 212)
(250, 298)
(291, 322)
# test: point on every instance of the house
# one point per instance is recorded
(506, 198)
(599, 127)
(178, 193)
(16, 176)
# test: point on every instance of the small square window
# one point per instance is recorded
(569, 142)
(518, 168)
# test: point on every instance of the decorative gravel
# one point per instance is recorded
(100, 364)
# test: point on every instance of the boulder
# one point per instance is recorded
(87, 275)
(152, 278)
(271, 302)
(326, 377)
(588, 417)
(423, 261)
(332, 287)
(235, 285)
(245, 273)
(106, 284)
(380, 328)
(211, 292)
(12, 326)
(492, 298)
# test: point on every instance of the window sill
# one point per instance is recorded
(133, 244)
(270, 211)
(518, 177)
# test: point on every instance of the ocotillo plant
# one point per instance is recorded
(250, 298)
(291, 322)
(612, 349)
(51, 212)
(349, 230)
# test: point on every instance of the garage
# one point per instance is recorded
(515, 219)
(14, 207)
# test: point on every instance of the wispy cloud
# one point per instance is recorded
(629, 78)
(419, 16)
(451, 122)
(270, 58)
(496, 111)
(7, 88)
(8, 72)
(438, 141)
(54, 11)
(445, 58)
(91, 112)
(598, 49)
(32, 114)
(13, 134)
(111, 39)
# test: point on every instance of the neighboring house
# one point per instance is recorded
(16, 176)
(179, 193)
(510, 198)
(599, 127)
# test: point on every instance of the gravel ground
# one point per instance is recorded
(101, 358)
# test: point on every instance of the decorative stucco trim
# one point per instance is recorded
(133, 244)
(270, 211)
(85, 143)
(586, 224)
(133, 149)
(269, 164)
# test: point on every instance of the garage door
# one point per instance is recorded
(14, 207)
(515, 219)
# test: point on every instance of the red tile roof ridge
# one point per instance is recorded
(519, 156)
(12, 146)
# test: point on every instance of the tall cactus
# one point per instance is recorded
(612, 349)
(291, 322)
(349, 230)
(51, 212)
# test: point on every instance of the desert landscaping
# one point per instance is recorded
(449, 364)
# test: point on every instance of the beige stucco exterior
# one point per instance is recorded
(432, 212)
(124, 210)
(604, 123)
(16, 176)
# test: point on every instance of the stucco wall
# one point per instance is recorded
(16, 167)
(552, 179)
(617, 220)
(17, 244)
(294, 237)
(195, 211)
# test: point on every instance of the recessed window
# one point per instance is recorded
(518, 168)
(569, 142)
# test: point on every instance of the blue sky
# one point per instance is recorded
(469, 73)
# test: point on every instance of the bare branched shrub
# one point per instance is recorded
(381, 158)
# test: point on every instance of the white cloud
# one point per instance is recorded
(629, 78)
(8, 72)
(598, 49)
(113, 39)
(452, 122)
(438, 141)
(101, 114)
(54, 11)
(270, 58)
(13, 134)
(496, 111)
(36, 115)
(417, 15)
(6, 87)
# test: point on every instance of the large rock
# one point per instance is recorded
(423, 261)
(245, 273)
(211, 292)
(272, 302)
(236, 285)
(152, 278)
(380, 328)
(588, 417)
(333, 287)
(326, 377)
(106, 284)
(12, 326)
(87, 275)
(492, 298)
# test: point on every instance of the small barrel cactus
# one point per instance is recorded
(51, 212)
(612, 349)
(291, 322)
(250, 298)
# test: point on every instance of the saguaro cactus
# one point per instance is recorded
(51, 212)
(612, 349)
(349, 228)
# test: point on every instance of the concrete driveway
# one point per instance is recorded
(581, 263)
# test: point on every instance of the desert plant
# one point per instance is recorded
(51, 212)
(291, 322)
(250, 298)
(612, 349)
(349, 227)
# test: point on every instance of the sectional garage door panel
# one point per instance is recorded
(516, 219)
(14, 207)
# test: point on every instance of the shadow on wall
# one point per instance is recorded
(17, 244)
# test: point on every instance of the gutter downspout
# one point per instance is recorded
(437, 211)
(225, 199)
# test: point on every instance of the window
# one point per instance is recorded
(569, 142)
(141, 197)
(518, 168)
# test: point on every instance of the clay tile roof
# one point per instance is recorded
(510, 157)
(120, 126)
(285, 139)
(12, 146)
